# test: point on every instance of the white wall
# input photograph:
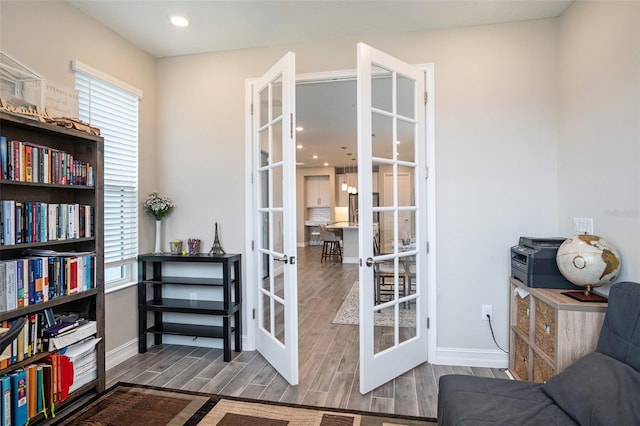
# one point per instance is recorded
(46, 36)
(599, 124)
(496, 151)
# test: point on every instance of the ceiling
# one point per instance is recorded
(326, 111)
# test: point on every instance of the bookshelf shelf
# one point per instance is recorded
(88, 302)
(228, 308)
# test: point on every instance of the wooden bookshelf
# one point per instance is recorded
(89, 301)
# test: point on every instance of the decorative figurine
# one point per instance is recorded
(216, 248)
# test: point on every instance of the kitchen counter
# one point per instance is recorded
(350, 242)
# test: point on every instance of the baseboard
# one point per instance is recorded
(121, 353)
(489, 358)
(129, 349)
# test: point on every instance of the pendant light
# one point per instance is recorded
(344, 185)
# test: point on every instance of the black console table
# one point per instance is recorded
(228, 308)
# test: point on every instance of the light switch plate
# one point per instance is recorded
(582, 225)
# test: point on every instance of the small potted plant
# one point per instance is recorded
(159, 207)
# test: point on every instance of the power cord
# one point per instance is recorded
(494, 336)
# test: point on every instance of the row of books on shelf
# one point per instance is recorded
(39, 335)
(29, 162)
(38, 222)
(31, 280)
(37, 388)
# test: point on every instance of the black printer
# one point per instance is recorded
(533, 261)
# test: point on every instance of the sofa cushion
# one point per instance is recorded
(597, 390)
(620, 335)
(470, 400)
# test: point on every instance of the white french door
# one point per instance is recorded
(274, 162)
(393, 284)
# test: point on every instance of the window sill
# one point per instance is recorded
(120, 286)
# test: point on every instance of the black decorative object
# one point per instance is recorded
(216, 248)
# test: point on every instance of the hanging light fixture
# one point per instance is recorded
(351, 189)
(344, 185)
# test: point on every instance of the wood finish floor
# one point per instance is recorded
(328, 358)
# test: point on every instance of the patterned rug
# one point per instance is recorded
(126, 404)
(349, 312)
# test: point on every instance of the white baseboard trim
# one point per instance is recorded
(350, 259)
(489, 358)
(121, 353)
(124, 352)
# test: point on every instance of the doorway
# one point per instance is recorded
(430, 269)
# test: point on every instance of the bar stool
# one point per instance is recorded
(331, 248)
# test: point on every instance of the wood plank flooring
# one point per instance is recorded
(328, 358)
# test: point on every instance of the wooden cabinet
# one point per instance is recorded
(228, 308)
(317, 191)
(54, 178)
(549, 331)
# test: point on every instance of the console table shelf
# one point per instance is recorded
(229, 308)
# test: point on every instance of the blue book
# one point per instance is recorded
(5, 400)
(19, 398)
(4, 162)
(8, 221)
(20, 284)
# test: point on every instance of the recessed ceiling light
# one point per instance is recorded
(326, 164)
(299, 146)
(179, 21)
(299, 128)
(315, 157)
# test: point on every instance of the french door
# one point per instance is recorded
(273, 100)
(391, 143)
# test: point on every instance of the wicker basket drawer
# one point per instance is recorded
(522, 313)
(541, 370)
(521, 358)
(545, 328)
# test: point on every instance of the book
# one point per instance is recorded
(5, 400)
(19, 398)
(32, 387)
(4, 166)
(3, 286)
(11, 285)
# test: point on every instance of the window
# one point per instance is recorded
(112, 106)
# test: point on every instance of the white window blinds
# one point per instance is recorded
(114, 110)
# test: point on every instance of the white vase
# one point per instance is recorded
(158, 247)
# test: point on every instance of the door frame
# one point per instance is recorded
(249, 339)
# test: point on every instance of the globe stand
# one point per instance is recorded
(586, 296)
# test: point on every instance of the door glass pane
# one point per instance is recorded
(406, 90)
(279, 321)
(385, 281)
(266, 278)
(383, 335)
(386, 232)
(264, 106)
(382, 136)
(410, 274)
(381, 89)
(277, 186)
(276, 96)
(407, 324)
(276, 144)
(405, 144)
(277, 232)
(265, 301)
(406, 230)
(264, 240)
(278, 280)
(264, 147)
(264, 188)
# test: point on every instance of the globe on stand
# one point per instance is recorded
(588, 261)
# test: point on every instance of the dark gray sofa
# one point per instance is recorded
(602, 388)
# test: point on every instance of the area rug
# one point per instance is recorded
(349, 312)
(127, 404)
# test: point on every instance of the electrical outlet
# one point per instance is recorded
(193, 297)
(487, 310)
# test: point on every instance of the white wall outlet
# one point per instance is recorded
(487, 310)
(193, 297)
(582, 225)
